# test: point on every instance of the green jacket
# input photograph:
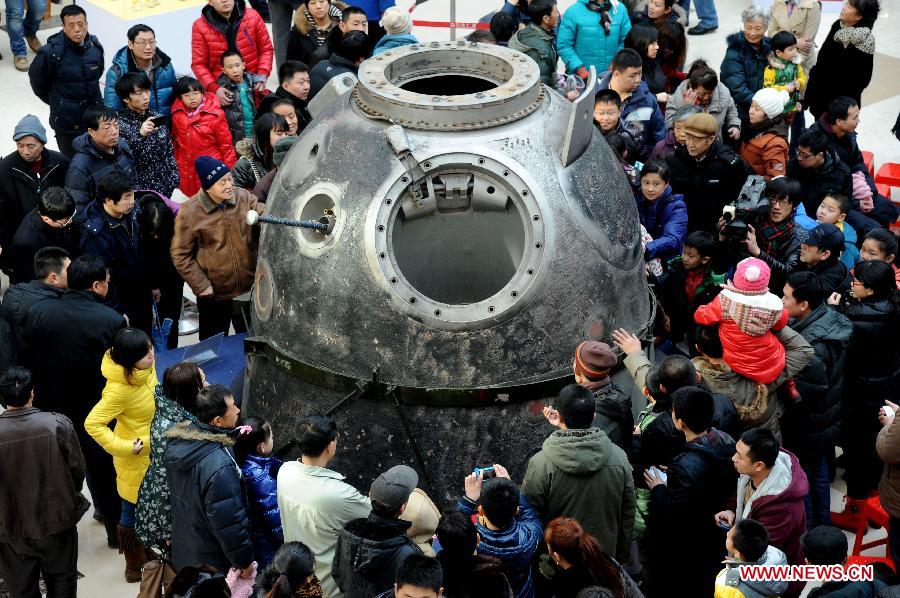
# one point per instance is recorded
(582, 474)
(540, 45)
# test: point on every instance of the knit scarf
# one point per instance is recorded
(319, 35)
(860, 38)
(776, 235)
(603, 7)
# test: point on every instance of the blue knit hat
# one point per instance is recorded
(30, 125)
(209, 170)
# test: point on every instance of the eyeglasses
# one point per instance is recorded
(145, 44)
(804, 156)
(780, 201)
(69, 221)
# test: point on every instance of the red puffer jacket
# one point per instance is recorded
(203, 133)
(208, 42)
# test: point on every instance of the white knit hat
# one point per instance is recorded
(396, 21)
(771, 100)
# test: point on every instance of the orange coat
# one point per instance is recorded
(767, 154)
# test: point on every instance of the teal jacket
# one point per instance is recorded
(582, 41)
(540, 46)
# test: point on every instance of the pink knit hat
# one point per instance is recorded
(752, 276)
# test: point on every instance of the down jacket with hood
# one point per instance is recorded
(699, 482)
(162, 80)
(210, 524)
(539, 45)
(666, 220)
(812, 426)
(67, 78)
(259, 475)
(130, 403)
(582, 474)
(304, 42)
(515, 546)
(778, 504)
(202, 132)
(89, 164)
(765, 148)
(730, 585)
(368, 553)
(582, 40)
(742, 70)
(245, 31)
(640, 107)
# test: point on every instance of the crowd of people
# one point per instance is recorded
(766, 242)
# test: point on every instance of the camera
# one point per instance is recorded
(749, 208)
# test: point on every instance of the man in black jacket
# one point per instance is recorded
(66, 73)
(838, 125)
(708, 173)
(819, 172)
(682, 504)
(97, 152)
(293, 78)
(73, 333)
(48, 225)
(370, 550)
(811, 427)
(348, 55)
(41, 509)
(25, 173)
(210, 524)
(50, 264)
(111, 232)
(821, 255)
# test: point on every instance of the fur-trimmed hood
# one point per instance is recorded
(191, 442)
(244, 148)
(301, 22)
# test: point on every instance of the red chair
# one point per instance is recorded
(885, 191)
(888, 174)
(875, 513)
(869, 159)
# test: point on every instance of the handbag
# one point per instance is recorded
(155, 578)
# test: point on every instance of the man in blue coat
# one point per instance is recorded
(97, 152)
(65, 74)
(638, 104)
(142, 56)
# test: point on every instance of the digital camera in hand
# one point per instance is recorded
(749, 208)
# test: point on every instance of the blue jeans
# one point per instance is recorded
(127, 519)
(23, 24)
(706, 13)
(818, 500)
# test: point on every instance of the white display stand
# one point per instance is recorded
(110, 20)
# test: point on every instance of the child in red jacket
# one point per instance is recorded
(199, 129)
(747, 313)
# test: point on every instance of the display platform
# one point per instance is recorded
(110, 20)
(221, 358)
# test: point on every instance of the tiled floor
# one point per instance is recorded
(103, 568)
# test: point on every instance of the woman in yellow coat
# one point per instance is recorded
(127, 398)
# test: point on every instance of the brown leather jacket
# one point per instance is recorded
(43, 472)
(214, 245)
